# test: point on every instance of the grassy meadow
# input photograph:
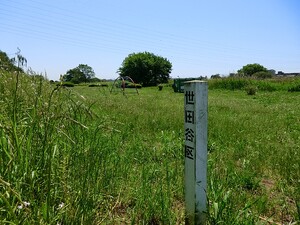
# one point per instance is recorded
(83, 155)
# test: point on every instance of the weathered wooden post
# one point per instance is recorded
(195, 126)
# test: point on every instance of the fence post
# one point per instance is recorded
(195, 148)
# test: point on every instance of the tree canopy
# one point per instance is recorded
(250, 69)
(146, 68)
(82, 73)
(9, 64)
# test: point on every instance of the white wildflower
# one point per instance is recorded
(61, 205)
(26, 204)
(23, 205)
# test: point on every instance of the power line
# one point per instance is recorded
(111, 30)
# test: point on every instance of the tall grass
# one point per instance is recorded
(242, 83)
(85, 156)
(42, 130)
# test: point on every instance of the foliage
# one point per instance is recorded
(251, 90)
(77, 156)
(160, 87)
(82, 73)
(215, 76)
(94, 79)
(230, 83)
(263, 75)
(295, 88)
(250, 69)
(146, 68)
(7, 64)
(19, 60)
(94, 85)
(241, 83)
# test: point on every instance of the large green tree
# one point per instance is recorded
(250, 69)
(82, 73)
(146, 68)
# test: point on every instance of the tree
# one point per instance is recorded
(9, 64)
(250, 69)
(82, 73)
(216, 76)
(146, 68)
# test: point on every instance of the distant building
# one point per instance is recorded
(282, 74)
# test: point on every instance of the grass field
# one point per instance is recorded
(84, 155)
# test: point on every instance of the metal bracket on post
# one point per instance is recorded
(195, 148)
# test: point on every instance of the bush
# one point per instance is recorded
(262, 75)
(294, 88)
(266, 86)
(251, 90)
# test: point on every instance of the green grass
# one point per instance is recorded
(243, 83)
(84, 155)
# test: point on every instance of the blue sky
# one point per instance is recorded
(199, 37)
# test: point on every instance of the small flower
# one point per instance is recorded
(61, 205)
(23, 205)
(26, 204)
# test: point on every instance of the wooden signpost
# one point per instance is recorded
(195, 148)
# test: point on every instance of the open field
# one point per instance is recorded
(85, 156)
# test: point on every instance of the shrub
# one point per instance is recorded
(251, 90)
(266, 86)
(295, 88)
(262, 74)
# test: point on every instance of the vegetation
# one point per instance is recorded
(241, 83)
(83, 156)
(250, 69)
(295, 88)
(65, 84)
(7, 64)
(80, 74)
(146, 68)
(215, 76)
(262, 74)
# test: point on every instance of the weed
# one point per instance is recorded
(80, 156)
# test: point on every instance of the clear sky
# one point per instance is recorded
(199, 37)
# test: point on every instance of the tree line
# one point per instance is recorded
(144, 68)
